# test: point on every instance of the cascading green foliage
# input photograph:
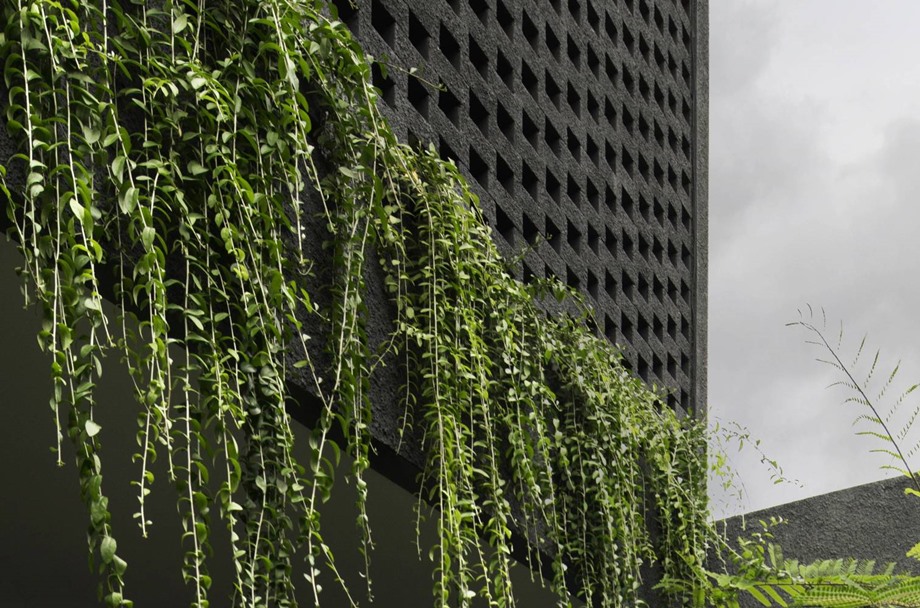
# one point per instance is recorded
(180, 148)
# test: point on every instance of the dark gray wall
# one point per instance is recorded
(871, 521)
(582, 127)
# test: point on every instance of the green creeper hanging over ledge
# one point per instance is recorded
(171, 155)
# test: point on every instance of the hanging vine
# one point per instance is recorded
(181, 148)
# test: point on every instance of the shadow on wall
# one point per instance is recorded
(43, 554)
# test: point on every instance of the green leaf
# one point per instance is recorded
(128, 201)
(180, 23)
(92, 428)
(90, 134)
(195, 168)
(108, 548)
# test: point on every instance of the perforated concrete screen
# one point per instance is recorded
(579, 125)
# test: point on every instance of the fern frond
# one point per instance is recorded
(862, 344)
(881, 436)
(872, 367)
(888, 382)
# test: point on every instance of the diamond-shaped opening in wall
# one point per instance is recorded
(642, 286)
(658, 251)
(506, 122)
(530, 31)
(660, 60)
(530, 130)
(383, 22)
(629, 82)
(571, 279)
(505, 71)
(504, 17)
(610, 329)
(629, 41)
(610, 285)
(481, 9)
(478, 58)
(643, 127)
(626, 161)
(418, 96)
(593, 195)
(446, 152)
(553, 235)
(643, 166)
(552, 43)
(479, 169)
(384, 83)
(594, 239)
(644, 88)
(504, 225)
(657, 288)
(644, 247)
(610, 113)
(610, 198)
(657, 367)
(552, 137)
(611, 71)
(610, 156)
(642, 327)
(626, 326)
(644, 49)
(574, 145)
(505, 174)
(658, 18)
(658, 329)
(449, 46)
(610, 28)
(628, 245)
(573, 52)
(553, 92)
(685, 324)
(658, 210)
(530, 230)
(610, 241)
(573, 236)
(530, 181)
(594, 20)
(553, 188)
(593, 285)
(644, 207)
(479, 114)
(594, 62)
(629, 122)
(347, 14)
(573, 99)
(575, 10)
(573, 189)
(449, 105)
(642, 368)
(419, 36)
(530, 81)
(527, 274)
(628, 286)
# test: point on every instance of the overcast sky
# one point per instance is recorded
(814, 198)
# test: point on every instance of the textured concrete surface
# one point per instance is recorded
(872, 521)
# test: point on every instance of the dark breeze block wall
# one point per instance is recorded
(582, 127)
(872, 521)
